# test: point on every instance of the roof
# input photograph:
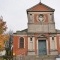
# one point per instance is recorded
(21, 32)
(40, 7)
(58, 31)
(25, 31)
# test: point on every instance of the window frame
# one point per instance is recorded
(21, 42)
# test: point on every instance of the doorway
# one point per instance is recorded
(42, 47)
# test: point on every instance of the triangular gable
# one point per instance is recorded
(40, 7)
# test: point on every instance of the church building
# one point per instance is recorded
(41, 37)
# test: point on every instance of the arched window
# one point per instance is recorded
(21, 42)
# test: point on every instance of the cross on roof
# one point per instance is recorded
(40, 0)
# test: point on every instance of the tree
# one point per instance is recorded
(9, 44)
(3, 37)
(3, 26)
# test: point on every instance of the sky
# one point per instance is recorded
(15, 15)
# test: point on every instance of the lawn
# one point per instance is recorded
(6, 58)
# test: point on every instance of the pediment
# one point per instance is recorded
(40, 7)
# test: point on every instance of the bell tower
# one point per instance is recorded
(41, 19)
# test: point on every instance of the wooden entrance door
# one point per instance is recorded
(42, 47)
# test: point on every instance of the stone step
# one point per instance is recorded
(42, 57)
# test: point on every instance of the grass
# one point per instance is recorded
(5, 58)
(1, 58)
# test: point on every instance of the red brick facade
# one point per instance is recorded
(16, 49)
